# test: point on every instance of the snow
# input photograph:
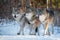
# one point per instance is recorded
(29, 37)
(9, 30)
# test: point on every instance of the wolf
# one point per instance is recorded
(26, 17)
(45, 18)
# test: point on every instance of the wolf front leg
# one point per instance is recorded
(53, 25)
(46, 27)
(21, 29)
(35, 26)
(30, 27)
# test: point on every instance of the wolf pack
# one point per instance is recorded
(34, 17)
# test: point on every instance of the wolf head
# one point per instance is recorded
(16, 14)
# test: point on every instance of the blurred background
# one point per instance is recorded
(7, 5)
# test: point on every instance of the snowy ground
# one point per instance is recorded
(30, 37)
(9, 30)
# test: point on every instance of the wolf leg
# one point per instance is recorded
(22, 29)
(46, 27)
(53, 25)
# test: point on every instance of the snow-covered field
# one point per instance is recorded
(9, 30)
(30, 37)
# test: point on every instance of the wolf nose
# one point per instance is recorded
(15, 16)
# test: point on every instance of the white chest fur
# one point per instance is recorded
(29, 16)
(42, 18)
